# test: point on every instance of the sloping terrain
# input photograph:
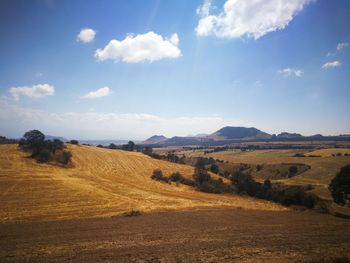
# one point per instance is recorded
(323, 164)
(102, 183)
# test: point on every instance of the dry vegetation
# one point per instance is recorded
(102, 183)
(82, 214)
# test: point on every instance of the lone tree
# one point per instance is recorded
(340, 186)
(34, 141)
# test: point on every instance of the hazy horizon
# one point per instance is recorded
(132, 69)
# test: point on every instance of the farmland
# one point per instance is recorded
(54, 214)
(102, 183)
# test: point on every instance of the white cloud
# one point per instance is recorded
(338, 49)
(341, 46)
(291, 72)
(86, 35)
(133, 49)
(35, 91)
(108, 125)
(332, 64)
(102, 92)
(250, 18)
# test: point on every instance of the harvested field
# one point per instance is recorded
(102, 183)
(220, 235)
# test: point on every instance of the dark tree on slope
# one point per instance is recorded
(34, 141)
(340, 186)
(43, 151)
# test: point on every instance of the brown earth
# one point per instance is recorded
(215, 235)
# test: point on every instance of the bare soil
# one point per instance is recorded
(213, 235)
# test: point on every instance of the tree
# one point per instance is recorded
(112, 146)
(74, 142)
(340, 186)
(34, 141)
(129, 147)
(245, 183)
(200, 176)
(293, 170)
(214, 168)
(158, 176)
(176, 177)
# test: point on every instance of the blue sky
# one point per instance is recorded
(174, 68)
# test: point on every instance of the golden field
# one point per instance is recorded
(102, 183)
(55, 214)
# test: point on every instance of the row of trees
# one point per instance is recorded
(44, 150)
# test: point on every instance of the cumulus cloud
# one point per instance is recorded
(102, 92)
(247, 18)
(105, 125)
(86, 35)
(35, 91)
(288, 72)
(143, 47)
(332, 64)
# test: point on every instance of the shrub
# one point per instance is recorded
(44, 156)
(62, 157)
(214, 168)
(176, 177)
(200, 176)
(74, 142)
(245, 182)
(158, 176)
(204, 183)
(340, 186)
(259, 167)
(133, 213)
(112, 146)
(293, 170)
(129, 147)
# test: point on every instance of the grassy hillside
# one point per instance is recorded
(102, 183)
(323, 165)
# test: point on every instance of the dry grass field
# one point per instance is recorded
(102, 183)
(55, 214)
(322, 171)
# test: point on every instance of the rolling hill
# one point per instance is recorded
(155, 139)
(238, 133)
(102, 183)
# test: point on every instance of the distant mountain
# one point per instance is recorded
(105, 142)
(288, 135)
(155, 139)
(229, 135)
(175, 141)
(238, 133)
